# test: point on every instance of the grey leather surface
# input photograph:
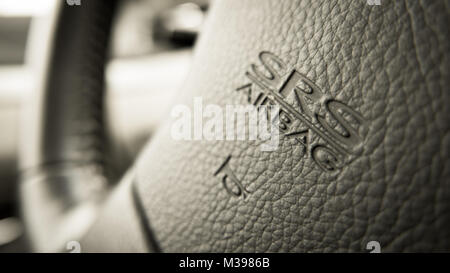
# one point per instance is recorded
(383, 69)
(119, 227)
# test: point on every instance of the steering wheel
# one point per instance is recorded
(363, 152)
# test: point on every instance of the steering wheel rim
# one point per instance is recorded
(64, 155)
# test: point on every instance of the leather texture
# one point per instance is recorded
(74, 123)
(64, 165)
(390, 63)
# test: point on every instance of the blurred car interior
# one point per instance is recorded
(148, 60)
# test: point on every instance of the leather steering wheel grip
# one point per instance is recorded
(364, 147)
(63, 158)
